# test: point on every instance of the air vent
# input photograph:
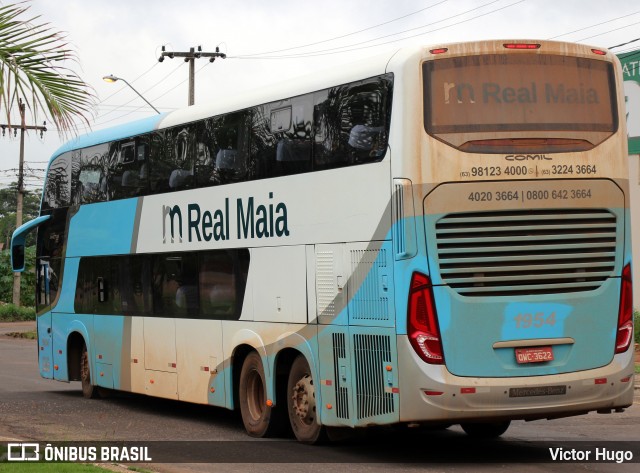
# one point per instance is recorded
(526, 252)
(372, 353)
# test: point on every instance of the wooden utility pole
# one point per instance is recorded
(190, 57)
(20, 196)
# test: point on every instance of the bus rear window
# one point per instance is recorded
(519, 102)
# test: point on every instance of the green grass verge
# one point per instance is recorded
(19, 467)
(28, 335)
(13, 313)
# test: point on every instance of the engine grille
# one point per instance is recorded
(526, 252)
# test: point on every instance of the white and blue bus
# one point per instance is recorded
(435, 236)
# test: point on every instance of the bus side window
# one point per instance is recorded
(160, 164)
(351, 123)
(263, 143)
(175, 287)
(181, 157)
(90, 174)
(217, 285)
(134, 284)
(57, 192)
(204, 155)
(128, 169)
(231, 148)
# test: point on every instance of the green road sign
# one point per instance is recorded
(631, 74)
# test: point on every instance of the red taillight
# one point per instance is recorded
(625, 314)
(521, 45)
(422, 321)
(599, 52)
(439, 50)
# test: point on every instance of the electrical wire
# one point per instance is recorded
(350, 34)
(594, 25)
(354, 47)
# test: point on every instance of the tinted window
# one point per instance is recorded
(281, 137)
(351, 123)
(135, 282)
(90, 173)
(209, 284)
(341, 126)
(175, 285)
(129, 169)
(472, 100)
(57, 192)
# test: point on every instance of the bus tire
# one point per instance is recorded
(301, 404)
(89, 391)
(487, 430)
(252, 394)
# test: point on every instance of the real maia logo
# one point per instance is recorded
(252, 220)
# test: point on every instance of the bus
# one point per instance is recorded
(436, 236)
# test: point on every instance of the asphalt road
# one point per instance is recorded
(32, 408)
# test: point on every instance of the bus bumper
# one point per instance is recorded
(431, 393)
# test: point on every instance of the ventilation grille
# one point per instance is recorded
(342, 393)
(325, 283)
(526, 252)
(372, 353)
(367, 300)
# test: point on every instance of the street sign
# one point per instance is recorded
(631, 74)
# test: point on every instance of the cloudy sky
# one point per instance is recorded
(267, 41)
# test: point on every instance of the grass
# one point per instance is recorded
(28, 335)
(13, 313)
(18, 467)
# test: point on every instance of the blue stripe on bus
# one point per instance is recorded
(104, 228)
(120, 132)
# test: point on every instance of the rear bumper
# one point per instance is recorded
(431, 393)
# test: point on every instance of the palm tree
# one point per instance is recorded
(32, 58)
(33, 76)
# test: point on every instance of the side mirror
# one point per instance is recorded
(18, 242)
(17, 257)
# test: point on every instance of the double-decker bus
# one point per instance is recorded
(435, 236)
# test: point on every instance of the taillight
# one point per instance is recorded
(625, 314)
(422, 321)
(521, 45)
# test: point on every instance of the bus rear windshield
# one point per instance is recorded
(486, 102)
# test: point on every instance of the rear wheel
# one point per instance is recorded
(301, 403)
(89, 391)
(259, 419)
(487, 430)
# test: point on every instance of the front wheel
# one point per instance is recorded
(487, 430)
(301, 403)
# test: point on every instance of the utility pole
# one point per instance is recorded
(190, 57)
(20, 196)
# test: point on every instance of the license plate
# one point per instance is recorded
(534, 355)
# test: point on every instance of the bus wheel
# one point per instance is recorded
(89, 391)
(256, 414)
(301, 403)
(487, 430)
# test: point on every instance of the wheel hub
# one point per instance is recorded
(304, 401)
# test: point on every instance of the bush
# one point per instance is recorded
(27, 281)
(12, 313)
(636, 326)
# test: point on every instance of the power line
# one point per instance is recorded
(610, 31)
(352, 33)
(594, 25)
(323, 52)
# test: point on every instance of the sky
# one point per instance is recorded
(274, 40)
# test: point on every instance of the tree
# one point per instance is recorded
(8, 203)
(32, 58)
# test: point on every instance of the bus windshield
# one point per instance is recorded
(545, 102)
